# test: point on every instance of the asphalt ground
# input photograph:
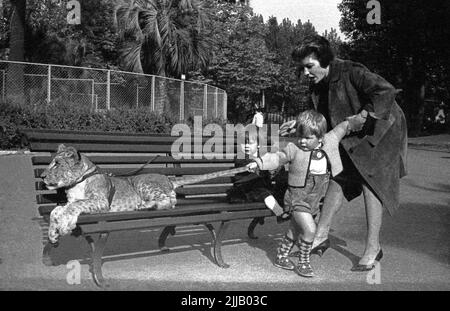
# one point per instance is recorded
(414, 242)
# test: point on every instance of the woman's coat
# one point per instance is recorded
(379, 153)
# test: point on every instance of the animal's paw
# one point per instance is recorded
(66, 225)
(53, 235)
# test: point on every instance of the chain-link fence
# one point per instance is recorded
(100, 89)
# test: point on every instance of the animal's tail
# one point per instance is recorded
(188, 180)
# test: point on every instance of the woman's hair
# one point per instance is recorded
(311, 122)
(317, 45)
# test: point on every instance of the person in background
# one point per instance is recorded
(258, 186)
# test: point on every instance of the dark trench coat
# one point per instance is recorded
(380, 154)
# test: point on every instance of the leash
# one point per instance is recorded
(133, 172)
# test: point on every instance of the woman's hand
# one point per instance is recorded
(287, 128)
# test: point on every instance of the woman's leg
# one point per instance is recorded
(331, 204)
(374, 215)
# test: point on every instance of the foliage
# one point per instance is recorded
(242, 64)
(73, 116)
(164, 37)
(49, 39)
(91, 43)
(291, 95)
(409, 48)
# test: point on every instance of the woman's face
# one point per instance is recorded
(312, 69)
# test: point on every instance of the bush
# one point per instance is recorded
(73, 116)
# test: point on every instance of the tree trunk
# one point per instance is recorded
(15, 77)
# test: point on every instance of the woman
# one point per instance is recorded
(374, 156)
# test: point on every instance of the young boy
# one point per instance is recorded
(311, 161)
(260, 186)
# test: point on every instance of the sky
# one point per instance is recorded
(323, 14)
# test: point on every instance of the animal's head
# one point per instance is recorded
(67, 168)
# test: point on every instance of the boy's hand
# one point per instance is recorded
(251, 167)
(287, 128)
(356, 122)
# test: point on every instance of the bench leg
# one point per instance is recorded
(251, 227)
(217, 244)
(97, 253)
(163, 236)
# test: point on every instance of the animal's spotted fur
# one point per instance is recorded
(91, 192)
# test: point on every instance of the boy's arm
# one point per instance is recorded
(274, 160)
(342, 129)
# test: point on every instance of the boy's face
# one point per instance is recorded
(250, 147)
(308, 142)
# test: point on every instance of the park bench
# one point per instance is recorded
(201, 204)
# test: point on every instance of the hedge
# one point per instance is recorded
(74, 116)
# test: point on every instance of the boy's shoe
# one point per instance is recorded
(284, 263)
(304, 269)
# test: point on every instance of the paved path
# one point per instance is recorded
(415, 244)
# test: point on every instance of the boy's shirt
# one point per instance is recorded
(300, 160)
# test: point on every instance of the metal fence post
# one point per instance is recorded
(108, 89)
(205, 101)
(49, 84)
(137, 95)
(3, 85)
(153, 93)
(216, 99)
(93, 94)
(182, 100)
(225, 102)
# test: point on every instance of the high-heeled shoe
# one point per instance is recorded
(321, 248)
(361, 268)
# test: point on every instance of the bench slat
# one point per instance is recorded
(45, 160)
(40, 185)
(202, 190)
(184, 206)
(165, 221)
(59, 198)
(132, 148)
(173, 171)
(97, 147)
(62, 136)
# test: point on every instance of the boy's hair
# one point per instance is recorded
(311, 122)
(317, 45)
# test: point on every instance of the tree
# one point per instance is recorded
(291, 94)
(408, 47)
(15, 80)
(242, 64)
(164, 37)
(52, 40)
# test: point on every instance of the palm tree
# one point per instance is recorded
(163, 37)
